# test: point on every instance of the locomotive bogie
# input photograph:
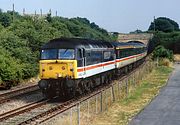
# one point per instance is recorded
(72, 87)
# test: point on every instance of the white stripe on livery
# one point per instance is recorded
(91, 70)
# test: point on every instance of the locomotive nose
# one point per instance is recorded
(57, 69)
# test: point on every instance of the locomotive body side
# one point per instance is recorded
(97, 61)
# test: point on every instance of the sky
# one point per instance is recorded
(121, 16)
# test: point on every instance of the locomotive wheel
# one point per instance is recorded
(106, 81)
(87, 86)
(70, 93)
(82, 86)
(126, 70)
(91, 85)
(79, 88)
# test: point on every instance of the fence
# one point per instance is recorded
(83, 112)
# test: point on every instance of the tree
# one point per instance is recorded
(136, 31)
(5, 19)
(168, 40)
(161, 52)
(48, 17)
(164, 24)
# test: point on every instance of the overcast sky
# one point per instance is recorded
(113, 15)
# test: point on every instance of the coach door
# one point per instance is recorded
(81, 62)
(84, 61)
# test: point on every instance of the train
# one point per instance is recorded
(72, 66)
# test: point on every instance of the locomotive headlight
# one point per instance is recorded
(59, 75)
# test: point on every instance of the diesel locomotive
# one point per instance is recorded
(72, 66)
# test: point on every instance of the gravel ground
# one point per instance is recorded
(21, 101)
(20, 85)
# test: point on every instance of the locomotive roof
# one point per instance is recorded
(76, 43)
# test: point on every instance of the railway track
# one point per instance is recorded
(43, 110)
(7, 96)
(20, 110)
(22, 114)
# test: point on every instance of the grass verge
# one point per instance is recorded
(177, 57)
(123, 111)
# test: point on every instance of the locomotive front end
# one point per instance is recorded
(58, 69)
(57, 63)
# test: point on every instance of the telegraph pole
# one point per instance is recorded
(50, 11)
(24, 11)
(56, 13)
(41, 12)
(35, 15)
(13, 13)
(154, 24)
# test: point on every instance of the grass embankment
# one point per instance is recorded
(177, 57)
(123, 111)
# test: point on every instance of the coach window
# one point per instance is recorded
(125, 52)
(144, 49)
(141, 50)
(121, 54)
(138, 51)
(133, 51)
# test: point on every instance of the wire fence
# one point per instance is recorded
(83, 112)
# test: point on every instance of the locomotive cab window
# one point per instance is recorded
(49, 54)
(66, 54)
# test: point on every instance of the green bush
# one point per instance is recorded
(10, 69)
(161, 52)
